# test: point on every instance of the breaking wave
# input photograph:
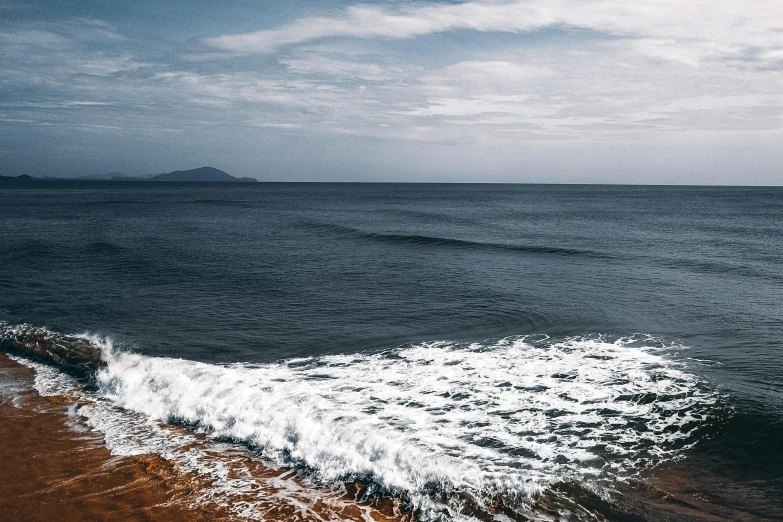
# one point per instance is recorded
(450, 428)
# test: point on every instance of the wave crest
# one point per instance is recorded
(497, 422)
(466, 244)
(79, 356)
(450, 428)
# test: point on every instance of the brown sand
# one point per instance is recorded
(51, 471)
(690, 491)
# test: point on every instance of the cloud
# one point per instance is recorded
(668, 29)
(56, 34)
(66, 104)
(53, 52)
(486, 76)
(248, 88)
(646, 73)
(488, 104)
(321, 65)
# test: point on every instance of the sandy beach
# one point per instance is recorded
(56, 469)
(52, 471)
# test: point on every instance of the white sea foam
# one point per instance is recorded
(49, 381)
(129, 433)
(501, 420)
(494, 421)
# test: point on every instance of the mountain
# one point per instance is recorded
(15, 179)
(200, 174)
(112, 176)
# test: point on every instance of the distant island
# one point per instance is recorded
(208, 174)
(18, 179)
(200, 174)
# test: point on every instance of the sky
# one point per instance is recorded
(542, 91)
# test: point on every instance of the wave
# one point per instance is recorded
(699, 266)
(450, 428)
(249, 203)
(104, 247)
(74, 355)
(28, 250)
(719, 268)
(425, 240)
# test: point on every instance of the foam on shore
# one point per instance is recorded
(440, 425)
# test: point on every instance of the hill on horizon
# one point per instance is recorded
(22, 178)
(206, 174)
(112, 176)
(200, 174)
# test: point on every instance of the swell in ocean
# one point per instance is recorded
(447, 242)
(519, 428)
(710, 266)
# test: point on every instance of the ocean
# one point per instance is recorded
(469, 352)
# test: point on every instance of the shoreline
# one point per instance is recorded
(56, 468)
(53, 472)
(59, 466)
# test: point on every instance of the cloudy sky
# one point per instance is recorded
(628, 91)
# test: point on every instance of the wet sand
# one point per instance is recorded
(691, 491)
(51, 471)
(55, 469)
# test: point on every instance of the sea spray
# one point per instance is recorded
(499, 420)
(450, 428)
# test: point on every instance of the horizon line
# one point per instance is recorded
(343, 182)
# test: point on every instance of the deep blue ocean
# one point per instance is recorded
(437, 303)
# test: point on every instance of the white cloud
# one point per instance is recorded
(660, 79)
(321, 65)
(248, 87)
(669, 29)
(490, 76)
(52, 52)
(459, 107)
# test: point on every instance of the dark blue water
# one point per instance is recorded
(226, 273)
